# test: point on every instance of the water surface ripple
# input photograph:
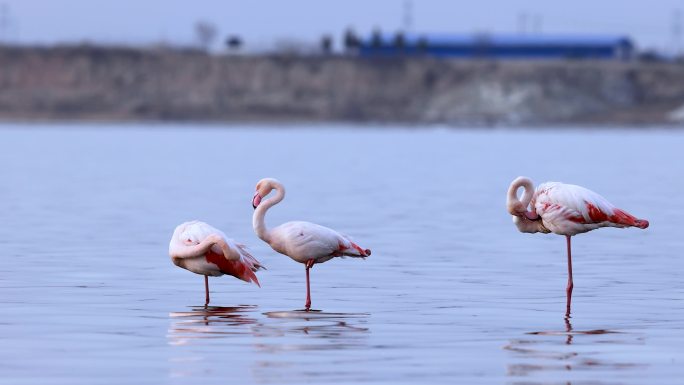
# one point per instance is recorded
(452, 293)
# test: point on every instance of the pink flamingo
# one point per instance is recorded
(304, 242)
(205, 250)
(564, 209)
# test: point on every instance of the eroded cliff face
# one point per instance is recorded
(121, 83)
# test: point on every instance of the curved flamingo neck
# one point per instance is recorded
(517, 206)
(258, 219)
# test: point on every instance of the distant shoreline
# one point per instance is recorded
(110, 84)
(302, 124)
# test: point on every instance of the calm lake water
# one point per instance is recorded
(452, 293)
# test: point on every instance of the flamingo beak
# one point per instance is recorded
(256, 200)
(531, 216)
(527, 215)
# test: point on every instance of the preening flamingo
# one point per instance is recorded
(564, 209)
(205, 250)
(305, 242)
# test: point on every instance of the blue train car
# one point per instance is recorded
(497, 46)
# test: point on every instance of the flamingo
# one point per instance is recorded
(304, 242)
(564, 209)
(205, 250)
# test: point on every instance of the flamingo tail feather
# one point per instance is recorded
(242, 268)
(624, 218)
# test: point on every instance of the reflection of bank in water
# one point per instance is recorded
(566, 351)
(210, 322)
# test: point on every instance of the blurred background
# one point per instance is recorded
(399, 122)
(524, 62)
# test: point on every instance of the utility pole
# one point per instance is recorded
(4, 22)
(522, 22)
(677, 32)
(538, 22)
(407, 21)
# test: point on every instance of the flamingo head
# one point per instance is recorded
(522, 209)
(263, 188)
(526, 221)
(518, 210)
(526, 225)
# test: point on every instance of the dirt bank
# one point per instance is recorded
(135, 84)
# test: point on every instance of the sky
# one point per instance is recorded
(262, 22)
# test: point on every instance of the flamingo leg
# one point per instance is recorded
(568, 289)
(206, 290)
(309, 265)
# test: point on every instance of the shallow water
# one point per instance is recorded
(452, 293)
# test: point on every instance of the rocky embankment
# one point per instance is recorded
(133, 84)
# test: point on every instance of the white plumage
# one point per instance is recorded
(564, 209)
(184, 249)
(304, 242)
(203, 249)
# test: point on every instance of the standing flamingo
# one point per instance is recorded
(564, 209)
(205, 250)
(305, 242)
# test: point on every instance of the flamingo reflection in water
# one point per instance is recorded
(210, 322)
(547, 351)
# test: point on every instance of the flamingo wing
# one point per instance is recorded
(305, 240)
(227, 256)
(243, 267)
(562, 205)
(347, 248)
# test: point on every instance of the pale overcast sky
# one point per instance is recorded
(260, 22)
